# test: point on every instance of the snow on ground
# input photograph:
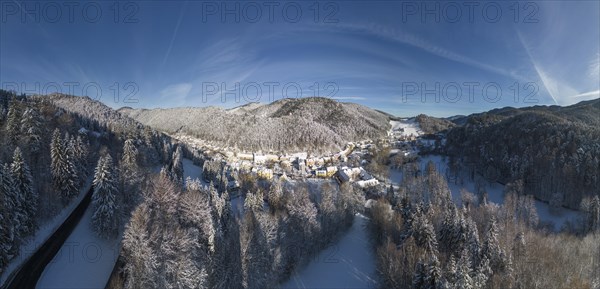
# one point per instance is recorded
(350, 263)
(495, 192)
(84, 261)
(409, 126)
(191, 170)
(33, 243)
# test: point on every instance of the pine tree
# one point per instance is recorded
(74, 164)
(463, 274)
(491, 247)
(63, 171)
(433, 278)
(178, 164)
(425, 234)
(7, 228)
(256, 263)
(130, 154)
(482, 273)
(80, 154)
(105, 220)
(472, 243)
(11, 202)
(30, 126)
(12, 122)
(451, 272)
(131, 175)
(28, 198)
(5, 236)
(420, 276)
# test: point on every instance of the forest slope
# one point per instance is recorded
(553, 150)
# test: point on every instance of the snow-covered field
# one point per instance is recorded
(33, 243)
(84, 261)
(409, 126)
(495, 192)
(191, 170)
(350, 263)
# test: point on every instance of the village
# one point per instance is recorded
(347, 165)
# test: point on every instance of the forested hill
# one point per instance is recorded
(314, 124)
(95, 110)
(553, 150)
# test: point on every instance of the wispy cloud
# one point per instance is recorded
(550, 85)
(587, 95)
(174, 33)
(176, 93)
(400, 36)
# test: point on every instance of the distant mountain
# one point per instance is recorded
(430, 124)
(312, 124)
(95, 110)
(554, 150)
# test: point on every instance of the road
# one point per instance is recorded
(26, 276)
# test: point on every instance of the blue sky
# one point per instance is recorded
(402, 57)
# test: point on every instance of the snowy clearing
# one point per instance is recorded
(495, 192)
(84, 261)
(405, 127)
(33, 243)
(191, 170)
(350, 263)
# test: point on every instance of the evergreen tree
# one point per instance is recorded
(30, 127)
(463, 273)
(178, 164)
(7, 221)
(63, 170)
(491, 247)
(420, 275)
(105, 220)
(12, 203)
(12, 122)
(5, 236)
(130, 154)
(24, 187)
(434, 279)
(482, 273)
(473, 244)
(256, 263)
(80, 149)
(131, 175)
(425, 234)
(73, 159)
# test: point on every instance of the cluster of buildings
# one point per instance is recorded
(266, 166)
(356, 175)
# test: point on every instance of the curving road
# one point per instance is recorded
(26, 276)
